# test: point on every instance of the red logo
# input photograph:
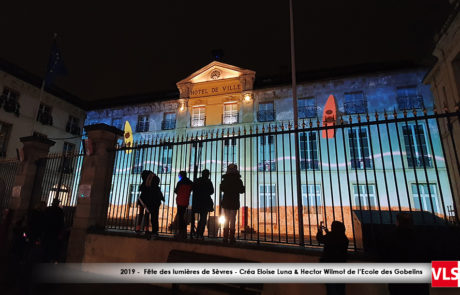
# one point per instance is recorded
(445, 274)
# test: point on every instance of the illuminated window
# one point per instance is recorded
(230, 153)
(355, 103)
(408, 98)
(308, 150)
(230, 113)
(198, 116)
(166, 160)
(311, 198)
(416, 146)
(358, 140)
(267, 197)
(138, 162)
(307, 108)
(267, 153)
(364, 195)
(142, 124)
(169, 121)
(266, 112)
(426, 197)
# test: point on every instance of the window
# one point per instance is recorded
(133, 195)
(198, 116)
(44, 114)
(142, 123)
(169, 121)
(198, 153)
(358, 140)
(9, 101)
(308, 150)
(230, 153)
(266, 112)
(408, 98)
(312, 199)
(73, 125)
(230, 113)
(355, 103)
(117, 123)
(416, 147)
(365, 196)
(307, 108)
(424, 198)
(138, 161)
(166, 160)
(5, 131)
(267, 197)
(68, 148)
(267, 153)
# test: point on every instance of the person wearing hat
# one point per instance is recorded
(231, 186)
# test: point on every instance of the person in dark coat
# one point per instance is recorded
(231, 186)
(335, 250)
(53, 230)
(183, 189)
(142, 214)
(201, 202)
(150, 199)
(35, 230)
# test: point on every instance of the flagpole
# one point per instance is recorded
(296, 133)
(42, 88)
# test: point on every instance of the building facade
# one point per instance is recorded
(25, 111)
(376, 156)
(444, 79)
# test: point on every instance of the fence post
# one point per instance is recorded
(34, 148)
(94, 187)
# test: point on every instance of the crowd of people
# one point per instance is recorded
(201, 189)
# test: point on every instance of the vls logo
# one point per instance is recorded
(445, 273)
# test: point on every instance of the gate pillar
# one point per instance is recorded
(34, 148)
(94, 186)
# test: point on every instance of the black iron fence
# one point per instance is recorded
(8, 171)
(362, 170)
(58, 178)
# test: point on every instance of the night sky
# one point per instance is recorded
(113, 49)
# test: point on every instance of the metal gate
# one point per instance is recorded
(57, 178)
(8, 171)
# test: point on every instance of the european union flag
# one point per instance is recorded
(55, 64)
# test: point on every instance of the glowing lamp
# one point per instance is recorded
(182, 107)
(222, 219)
(247, 97)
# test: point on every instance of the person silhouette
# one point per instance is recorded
(335, 250)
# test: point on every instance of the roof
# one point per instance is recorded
(265, 82)
(36, 81)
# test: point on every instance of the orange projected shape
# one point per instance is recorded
(128, 136)
(329, 116)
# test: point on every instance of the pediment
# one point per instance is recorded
(215, 71)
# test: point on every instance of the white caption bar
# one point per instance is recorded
(235, 273)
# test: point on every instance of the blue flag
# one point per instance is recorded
(55, 64)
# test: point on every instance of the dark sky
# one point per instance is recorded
(113, 49)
